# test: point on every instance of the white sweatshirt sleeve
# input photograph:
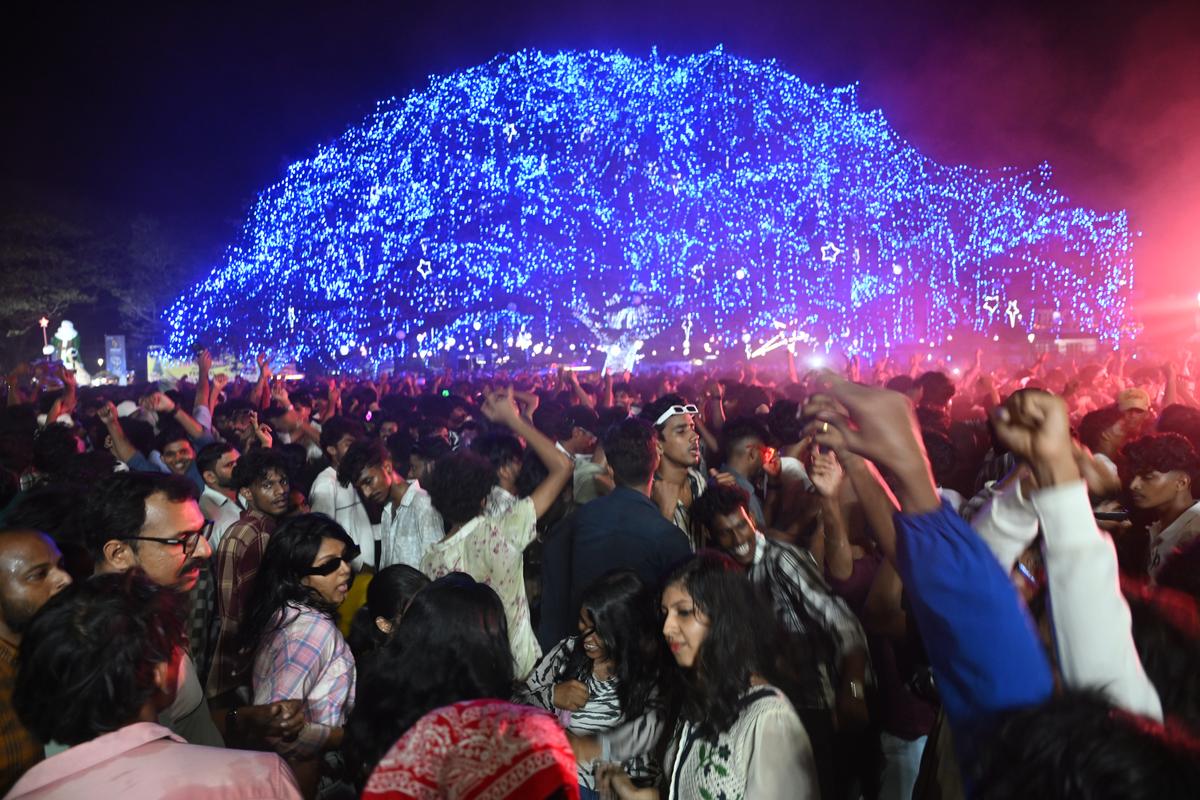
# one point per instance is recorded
(1008, 524)
(1091, 618)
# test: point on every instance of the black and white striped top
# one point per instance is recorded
(601, 713)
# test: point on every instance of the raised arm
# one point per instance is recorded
(572, 380)
(528, 403)
(122, 448)
(606, 392)
(827, 475)
(204, 365)
(261, 396)
(980, 641)
(714, 408)
(68, 401)
(1091, 618)
(166, 406)
(878, 505)
(499, 407)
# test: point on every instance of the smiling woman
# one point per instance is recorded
(605, 676)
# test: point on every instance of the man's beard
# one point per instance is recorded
(16, 614)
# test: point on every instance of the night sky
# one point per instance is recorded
(186, 110)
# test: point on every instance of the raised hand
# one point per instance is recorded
(262, 431)
(1036, 427)
(499, 406)
(279, 393)
(826, 472)
(160, 402)
(264, 366)
(882, 428)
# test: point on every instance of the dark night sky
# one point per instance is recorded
(185, 110)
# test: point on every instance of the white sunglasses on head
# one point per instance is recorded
(673, 410)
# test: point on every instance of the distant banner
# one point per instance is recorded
(160, 367)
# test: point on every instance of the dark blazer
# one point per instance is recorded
(623, 530)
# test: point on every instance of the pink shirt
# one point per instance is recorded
(145, 761)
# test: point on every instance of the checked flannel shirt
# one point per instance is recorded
(238, 560)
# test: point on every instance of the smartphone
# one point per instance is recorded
(1111, 516)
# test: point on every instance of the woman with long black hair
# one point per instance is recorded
(388, 595)
(606, 675)
(451, 645)
(291, 630)
(736, 734)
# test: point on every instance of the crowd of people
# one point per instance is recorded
(876, 582)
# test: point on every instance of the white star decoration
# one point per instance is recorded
(991, 303)
(1013, 312)
(830, 252)
(424, 267)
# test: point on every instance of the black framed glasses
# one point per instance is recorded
(334, 564)
(187, 541)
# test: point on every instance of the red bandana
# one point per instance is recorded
(477, 750)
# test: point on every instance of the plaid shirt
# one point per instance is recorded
(201, 621)
(306, 658)
(19, 749)
(238, 560)
(803, 602)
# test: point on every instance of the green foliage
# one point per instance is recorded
(46, 265)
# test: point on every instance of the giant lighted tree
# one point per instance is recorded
(526, 200)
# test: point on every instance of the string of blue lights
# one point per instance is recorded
(686, 206)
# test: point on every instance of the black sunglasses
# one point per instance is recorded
(334, 564)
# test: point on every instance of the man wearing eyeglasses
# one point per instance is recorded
(165, 536)
(153, 522)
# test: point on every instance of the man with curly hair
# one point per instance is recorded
(490, 549)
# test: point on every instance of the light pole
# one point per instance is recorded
(46, 348)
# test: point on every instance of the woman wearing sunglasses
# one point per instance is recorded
(291, 632)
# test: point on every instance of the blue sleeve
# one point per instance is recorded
(981, 643)
(193, 475)
(139, 463)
